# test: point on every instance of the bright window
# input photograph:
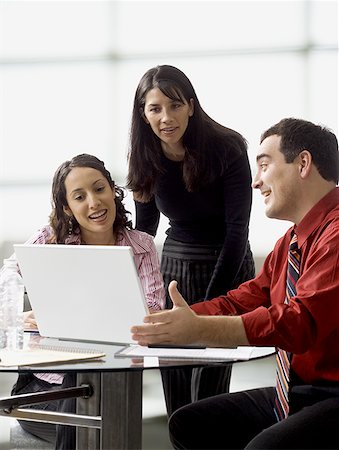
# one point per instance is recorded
(69, 70)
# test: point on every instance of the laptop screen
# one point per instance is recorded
(83, 292)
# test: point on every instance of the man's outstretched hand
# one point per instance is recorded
(178, 325)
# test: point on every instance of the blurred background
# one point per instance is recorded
(68, 74)
(69, 70)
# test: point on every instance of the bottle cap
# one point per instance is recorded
(10, 262)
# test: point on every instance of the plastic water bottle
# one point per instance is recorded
(2, 315)
(13, 303)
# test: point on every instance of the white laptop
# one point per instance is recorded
(83, 292)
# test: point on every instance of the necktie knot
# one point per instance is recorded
(294, 243)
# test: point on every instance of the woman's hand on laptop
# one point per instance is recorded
(29, 321)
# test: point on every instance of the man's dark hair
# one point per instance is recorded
(298, 135)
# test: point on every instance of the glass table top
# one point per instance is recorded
(108, 363)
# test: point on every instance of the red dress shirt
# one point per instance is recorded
(309, 325)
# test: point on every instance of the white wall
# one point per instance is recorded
(68, 73)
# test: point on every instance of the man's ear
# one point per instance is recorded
(305, 163)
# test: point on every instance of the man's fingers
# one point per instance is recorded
(146, 330)
(148, 334)
(175, 295)
(158, 317)
(158, 327)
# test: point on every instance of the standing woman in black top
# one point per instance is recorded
(196, 172)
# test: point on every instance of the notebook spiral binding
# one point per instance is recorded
(64, 349)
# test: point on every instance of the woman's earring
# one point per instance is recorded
(70, 226)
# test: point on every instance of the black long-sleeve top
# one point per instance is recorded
(216, 214)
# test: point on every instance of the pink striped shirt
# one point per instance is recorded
(145, 257)
(146, 261)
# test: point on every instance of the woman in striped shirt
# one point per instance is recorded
(87, 209)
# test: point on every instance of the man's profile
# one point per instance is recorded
(291, 304)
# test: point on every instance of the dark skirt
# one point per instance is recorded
(192, 266)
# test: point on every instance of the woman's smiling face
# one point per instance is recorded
(90, 199)
(168, 118)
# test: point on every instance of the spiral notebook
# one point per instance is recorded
(46, 354)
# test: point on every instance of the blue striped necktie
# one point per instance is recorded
(283, 358)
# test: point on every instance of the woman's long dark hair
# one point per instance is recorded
(205, 140)
(59, 220)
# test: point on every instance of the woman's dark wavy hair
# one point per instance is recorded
(204, 139)
(298, 135)
(59, 220)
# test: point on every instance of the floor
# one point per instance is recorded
(245, 375)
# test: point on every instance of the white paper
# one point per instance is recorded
(242, 353)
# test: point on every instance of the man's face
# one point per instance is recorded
(277, 180)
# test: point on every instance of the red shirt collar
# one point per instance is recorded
(316, 215)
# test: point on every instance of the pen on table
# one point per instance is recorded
(176, 346)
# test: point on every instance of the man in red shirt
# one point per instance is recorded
(298, 171)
